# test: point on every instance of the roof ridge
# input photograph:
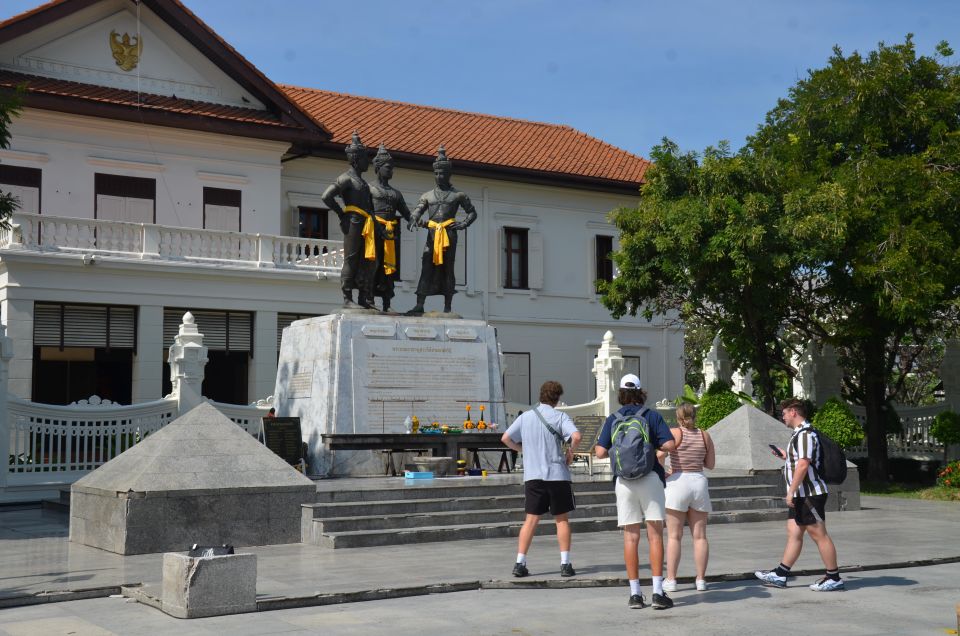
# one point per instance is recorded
(381, 100)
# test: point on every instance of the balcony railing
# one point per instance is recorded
(51, 234)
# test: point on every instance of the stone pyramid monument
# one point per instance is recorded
(741, 440)
(200, 479)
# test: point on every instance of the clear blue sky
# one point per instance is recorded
(626, 71)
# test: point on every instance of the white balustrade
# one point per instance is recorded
(246, 417)
(915, 437)
(47, 439)
(160, 243)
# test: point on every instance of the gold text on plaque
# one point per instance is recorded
(125, 52)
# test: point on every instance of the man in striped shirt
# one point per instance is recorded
(806, 497)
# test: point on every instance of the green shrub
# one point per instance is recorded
(949, 477)
(717, 386)
(946, 427)
(836, 420)
(716, 406)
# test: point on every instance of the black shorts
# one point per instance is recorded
(808, 511)
(555, 496)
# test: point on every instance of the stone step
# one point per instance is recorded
(484, 516)
(475, 487)
(448, 518)
(429, 534)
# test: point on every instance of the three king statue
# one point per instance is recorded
(370, 218)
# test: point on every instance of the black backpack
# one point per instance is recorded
(831, 464)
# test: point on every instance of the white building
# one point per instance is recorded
(159, 172)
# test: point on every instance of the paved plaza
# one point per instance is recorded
(886, 539)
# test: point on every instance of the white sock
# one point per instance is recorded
(564, 557)
(657, 585)
(634, 587)
(521, 558)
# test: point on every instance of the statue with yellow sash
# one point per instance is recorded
(437, 211)
(356, 221)
(387, 204)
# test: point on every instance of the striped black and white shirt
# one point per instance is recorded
(804, 445)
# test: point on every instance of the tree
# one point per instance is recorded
(9, 107)
(706, 244)
(869, 149)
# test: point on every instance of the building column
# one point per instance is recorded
(19, 321)
(6, 353)
(148, 363)
(263, 376)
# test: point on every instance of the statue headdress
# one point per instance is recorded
(356, 146)
(382, 157)
(442, 161)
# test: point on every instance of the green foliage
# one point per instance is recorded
(716, 406)
(718, 386)
(949, 477)
(9, 107)
(836, 420)
(946, 427)
(689, 396)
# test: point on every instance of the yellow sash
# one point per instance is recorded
(441, 241)
(389, 246)
(369, 246)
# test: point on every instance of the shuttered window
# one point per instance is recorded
(222, 330)
(103, 326)
(284, 320)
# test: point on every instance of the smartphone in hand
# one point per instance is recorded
(776, 450)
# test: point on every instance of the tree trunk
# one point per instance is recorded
(874, 392)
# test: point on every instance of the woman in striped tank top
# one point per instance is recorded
(687, 496)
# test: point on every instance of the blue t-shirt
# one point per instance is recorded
(659, 432)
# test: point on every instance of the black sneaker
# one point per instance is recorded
(636, 601)
(566, 569)
(661, 601)
(520, 569)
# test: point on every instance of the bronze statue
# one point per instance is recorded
(356, 221)
(387, 204)
(439, 209)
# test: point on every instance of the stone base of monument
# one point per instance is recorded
(439, 466)
(350, 373)
(194, 587)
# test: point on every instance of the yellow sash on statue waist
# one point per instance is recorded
(441, 241)
(369, 246)
(389, 246)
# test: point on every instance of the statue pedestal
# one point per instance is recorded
(353, 373)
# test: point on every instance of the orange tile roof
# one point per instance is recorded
(148, 102)
(470, 137)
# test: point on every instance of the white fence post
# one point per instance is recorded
(608, 368)
(187, 358)
(6, 352)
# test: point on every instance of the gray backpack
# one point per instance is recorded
(632, 454)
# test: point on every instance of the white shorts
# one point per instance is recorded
(639, 499)
(688, 491)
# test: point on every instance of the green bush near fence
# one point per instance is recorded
(716, 406)
(837, 420)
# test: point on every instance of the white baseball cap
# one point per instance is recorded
(630, 381)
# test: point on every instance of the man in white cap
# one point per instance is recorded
(643, 497)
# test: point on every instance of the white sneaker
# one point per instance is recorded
(770, 578)
(827, 585)
(669, 585)
(701, 585)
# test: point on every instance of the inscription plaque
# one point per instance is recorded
(301, 384)
(445, 374)
(378, 331)
(461, 333)
(282, 436)
(419, 332)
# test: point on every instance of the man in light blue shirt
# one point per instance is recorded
(539, 434)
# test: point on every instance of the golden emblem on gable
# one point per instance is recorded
(125, 52)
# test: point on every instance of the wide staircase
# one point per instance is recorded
(456, 509)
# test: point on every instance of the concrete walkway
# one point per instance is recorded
(37, 561)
